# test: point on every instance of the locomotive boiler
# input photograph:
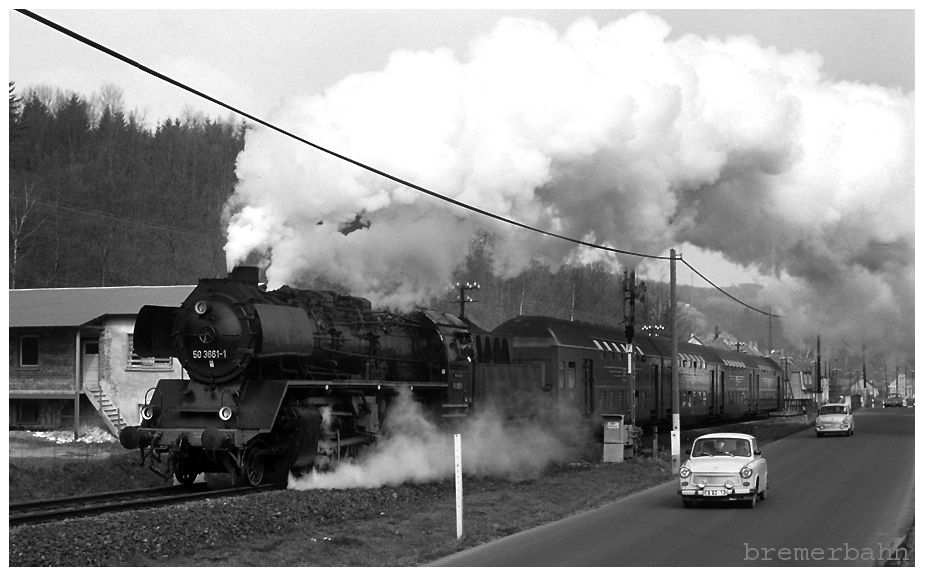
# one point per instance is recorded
(287, 380)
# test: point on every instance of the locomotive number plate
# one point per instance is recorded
(210, 354)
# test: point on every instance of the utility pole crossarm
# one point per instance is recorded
(463, 298)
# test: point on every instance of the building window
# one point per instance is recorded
(29, 351)
(147, 363)
(28, 413)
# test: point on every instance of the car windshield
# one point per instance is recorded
(721, 446)
(833, 410)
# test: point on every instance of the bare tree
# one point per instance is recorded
(22, 210)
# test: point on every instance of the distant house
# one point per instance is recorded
(800, 382)
(72, 348)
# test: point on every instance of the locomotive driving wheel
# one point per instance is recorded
(253, 464)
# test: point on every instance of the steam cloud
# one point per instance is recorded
(611, 134)
(416, 450)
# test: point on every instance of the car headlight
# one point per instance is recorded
(684, 472)
(745, 472)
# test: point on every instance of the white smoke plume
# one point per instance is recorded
(417, 450)
(613, 134)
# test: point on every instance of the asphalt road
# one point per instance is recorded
(832, 501)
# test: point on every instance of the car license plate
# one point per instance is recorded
(715, 493)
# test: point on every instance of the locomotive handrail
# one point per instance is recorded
(151, 391)
(364, 383)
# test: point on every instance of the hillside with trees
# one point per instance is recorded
(97, 198)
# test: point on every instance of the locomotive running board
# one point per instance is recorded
(454, 411)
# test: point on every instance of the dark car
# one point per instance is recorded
(910, 401)
(894, 401)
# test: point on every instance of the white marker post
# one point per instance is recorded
(459, 492)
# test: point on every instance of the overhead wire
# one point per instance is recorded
(449, 200)
(746, 305)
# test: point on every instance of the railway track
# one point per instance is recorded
(87, 505)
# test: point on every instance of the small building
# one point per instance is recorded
(800, 388)
(72, 363)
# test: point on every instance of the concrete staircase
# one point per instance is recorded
(105, 407)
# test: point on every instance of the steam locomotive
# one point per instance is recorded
(291, 380)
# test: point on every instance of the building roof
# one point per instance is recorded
(74, 307)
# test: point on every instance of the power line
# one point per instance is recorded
(746, 305)
(471, 208)
(104, 219)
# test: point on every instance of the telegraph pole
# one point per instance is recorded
(463, 299)
(818, 370)
(770, 330)
(864, 370)
(675, 388)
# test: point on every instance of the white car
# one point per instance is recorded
(724, 467)
(835, 419)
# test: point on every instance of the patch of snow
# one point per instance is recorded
(92, 435)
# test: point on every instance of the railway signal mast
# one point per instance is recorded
(631, 293)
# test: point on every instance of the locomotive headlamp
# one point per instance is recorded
(745, 472)
(225, 413)
(149, 412)
(202, 307)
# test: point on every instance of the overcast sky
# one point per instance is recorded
(252, 59)
(309, 70)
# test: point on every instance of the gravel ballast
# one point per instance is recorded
(142, 537)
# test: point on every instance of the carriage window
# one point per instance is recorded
(29, 351)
